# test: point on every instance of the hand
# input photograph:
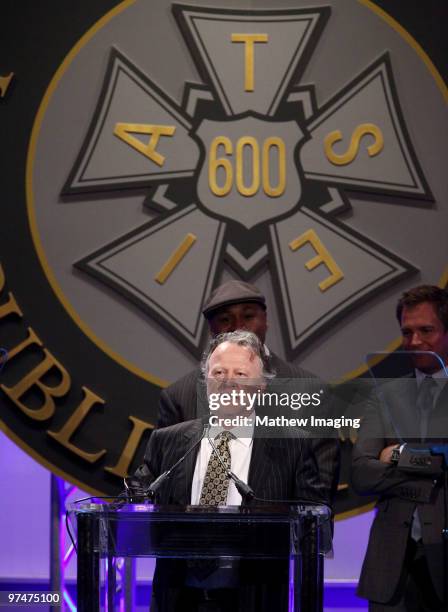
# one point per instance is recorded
(134, 489)
(386, 453)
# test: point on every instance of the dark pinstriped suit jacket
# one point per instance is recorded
(179, 402)
(400, 493)
(280, 468)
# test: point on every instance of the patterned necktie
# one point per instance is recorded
(425, 403)
(214, 493)
(216, 482)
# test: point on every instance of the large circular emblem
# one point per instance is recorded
(176, 146)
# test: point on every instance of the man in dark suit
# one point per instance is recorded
(281, 468)
(232, 306)
(405, 567)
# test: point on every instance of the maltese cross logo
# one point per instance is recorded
(249, 169)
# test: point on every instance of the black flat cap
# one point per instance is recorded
(232, 292)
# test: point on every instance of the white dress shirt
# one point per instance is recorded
(240, 449)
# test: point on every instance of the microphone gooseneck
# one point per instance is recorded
(243, 488)
(159, 481)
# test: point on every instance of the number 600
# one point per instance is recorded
(273, 191)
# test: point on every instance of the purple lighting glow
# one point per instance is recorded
(68, 601)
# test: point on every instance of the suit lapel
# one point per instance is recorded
(183, 478)
(442, 400)
(400, 407)
(257, 463)
(262, 467)
(438, 418)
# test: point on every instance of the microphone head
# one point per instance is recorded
(246, 491)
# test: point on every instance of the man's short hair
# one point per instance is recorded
(241, 338)
(426, 293)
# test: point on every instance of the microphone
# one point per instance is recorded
(246, 492)
(158, 482)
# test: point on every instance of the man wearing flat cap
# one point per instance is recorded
(237, 305)
(232, 306)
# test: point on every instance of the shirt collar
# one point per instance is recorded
(243, 435)
(420, 376)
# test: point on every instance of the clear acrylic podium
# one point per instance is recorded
(301, 534)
